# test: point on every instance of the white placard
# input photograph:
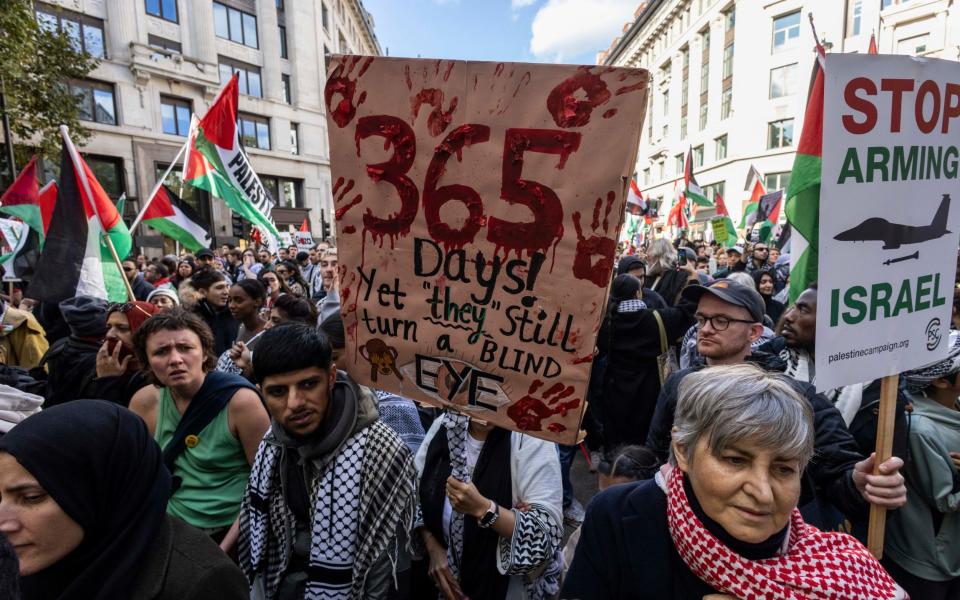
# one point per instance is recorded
(889, 215)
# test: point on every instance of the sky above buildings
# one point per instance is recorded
(558, 31)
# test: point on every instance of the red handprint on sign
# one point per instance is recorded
(340, 207)
(340, 83)
(604, 246)
(529, 412)
(439, 118)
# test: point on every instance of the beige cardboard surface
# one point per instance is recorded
(477, 209)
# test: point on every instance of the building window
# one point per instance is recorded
(729, 20)
(235, 25)
(913, 45)
(698, 156)
(164, 44)
(855, 16)
(283, 42)
(249, 76)
(679, 162)
(704, 76)
(646, 176)
(786, 31)
(726, 103)
(175, 115)
(683, 127)
(325, 16)
(85, 33)
(783, 81)
(109, 173)
(279, 4)
(703, 115)
(165, 9)
(666, 103)
(287, 193)
(254, 131)
(294, 138)
(343, 44)
(287, 93)
(728, 61)
(780, 134)
(96, 101)
(711, 191)
(777, 181)
(721, 145)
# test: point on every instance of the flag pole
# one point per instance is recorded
(65, 134)
(156, 186)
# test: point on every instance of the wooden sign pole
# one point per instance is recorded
(887, 415)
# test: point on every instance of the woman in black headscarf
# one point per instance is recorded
(632, 337)
(765, 282)
(83, 497)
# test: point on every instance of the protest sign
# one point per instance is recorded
(14, 235)
(478, 207)
(286, 239)
(720, 232)
(888, 233)
(304, 240)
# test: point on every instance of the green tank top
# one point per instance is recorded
(214, 472)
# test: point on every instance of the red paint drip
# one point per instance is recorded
(631, 88)
(583, 360)
(406, 75)
(524, 80)
(349, 229)
(446, 74)
(609, 113)
(569, 111)
(498, 70)
(476, 79)
(362, 98)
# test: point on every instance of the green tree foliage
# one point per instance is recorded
(36, 66)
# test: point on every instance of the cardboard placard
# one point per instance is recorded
(478, 206)
(304, 240)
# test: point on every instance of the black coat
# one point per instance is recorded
(72, 364)
(185, 564)
(224, 327)
(631, 384)
(626, 552)
(828, 477)
(118, 388)
(141, 288)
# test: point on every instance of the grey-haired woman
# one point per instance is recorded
(722, 517)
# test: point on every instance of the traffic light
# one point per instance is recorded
(324, 226)
(239, 226)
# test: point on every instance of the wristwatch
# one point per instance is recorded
(490, 517)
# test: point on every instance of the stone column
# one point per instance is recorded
(269, 38)
(199, 41)
(121, 28)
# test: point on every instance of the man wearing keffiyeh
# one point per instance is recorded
(331, 485)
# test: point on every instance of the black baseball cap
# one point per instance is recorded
(730, 292)
(629, 262)
(205, 253)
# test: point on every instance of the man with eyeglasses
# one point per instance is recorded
(141, 289)
(728, 320)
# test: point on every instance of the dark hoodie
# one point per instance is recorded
(224, 327)
(72, 361)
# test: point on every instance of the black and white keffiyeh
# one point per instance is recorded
(632, 305)
(357, 500)
(918, 379)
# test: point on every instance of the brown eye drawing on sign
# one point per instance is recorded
(382, 358)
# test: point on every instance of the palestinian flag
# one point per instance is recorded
(724, 216)
(25, 200)
(752, 175)
(678, 213)
(767, 213)
(749, 211)
(691, 187)
(636, 205)
(177, 220)
(21, 247)
(75, 260)
(872, 48)
(803, 201)
(217, 163)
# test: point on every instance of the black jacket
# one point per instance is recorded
(141, 288)
(626, 552)
(118, 388)
(185, 564)
(72, 364)
(828, 477)
(222, 324)
(631, 343)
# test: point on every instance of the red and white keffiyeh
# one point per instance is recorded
(813, 565)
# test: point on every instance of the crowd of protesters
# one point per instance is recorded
(201, 442)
